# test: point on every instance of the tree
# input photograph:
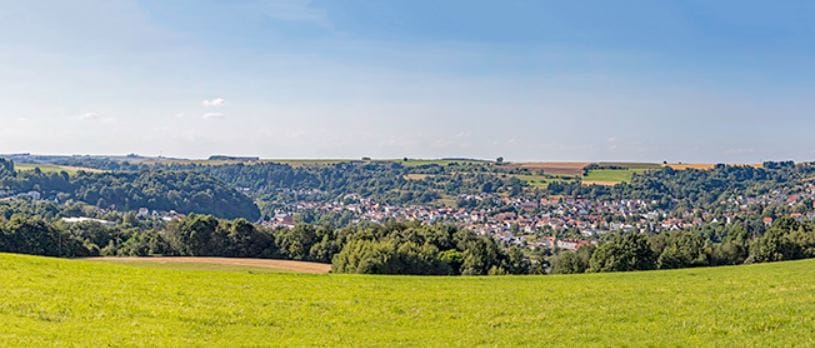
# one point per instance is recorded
(570, 262)
(193, 235)
(624, 252)
(683, 249)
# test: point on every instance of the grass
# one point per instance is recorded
(543, 181)
(610, 176)
(53, 168)
(203, 267)
(69, 302)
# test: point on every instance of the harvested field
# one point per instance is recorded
(599, 182)
(416, 177)
(283, 265)
(54, 168)
(681, 166)
(632, 165)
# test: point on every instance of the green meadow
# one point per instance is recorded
(85, 303)
(543, 181)
(612, 175)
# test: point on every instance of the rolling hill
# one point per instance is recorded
(89, 303)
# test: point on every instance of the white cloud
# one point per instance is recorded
(179, 115)
(94, 117)
(89, 116)
(212, 115)
(214, 102)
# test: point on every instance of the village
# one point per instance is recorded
(564, 223)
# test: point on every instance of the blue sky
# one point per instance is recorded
(704, 81)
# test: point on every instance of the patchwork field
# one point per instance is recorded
(89, 303)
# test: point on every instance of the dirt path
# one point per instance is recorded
(287, 265)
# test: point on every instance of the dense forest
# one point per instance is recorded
(683, 189)
(162, 190)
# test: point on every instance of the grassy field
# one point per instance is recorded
(71, 302)
(53, 168)
(558, 168)
(543, 181)
(610, 176)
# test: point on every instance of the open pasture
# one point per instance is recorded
(54, 302)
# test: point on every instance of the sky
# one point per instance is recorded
(690, 81)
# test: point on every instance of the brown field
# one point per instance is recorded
(560, 168)
(416, 177)
(681, 166)
(282, 265)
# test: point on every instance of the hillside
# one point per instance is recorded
(69, 302)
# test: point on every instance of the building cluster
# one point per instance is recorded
(554, 222)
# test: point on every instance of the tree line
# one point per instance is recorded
(785, 239)
(403, 247)
(389, 248)
(162, 190)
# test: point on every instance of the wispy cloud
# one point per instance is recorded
(210, 115)
(214, 102)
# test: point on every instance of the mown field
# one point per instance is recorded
(71, 302)
(610, 176)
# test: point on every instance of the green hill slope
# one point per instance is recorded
(62, 302)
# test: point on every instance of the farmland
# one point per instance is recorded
(542, 181)
(560, 168)
(53, 168)
(68, 302)
(610, 176)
